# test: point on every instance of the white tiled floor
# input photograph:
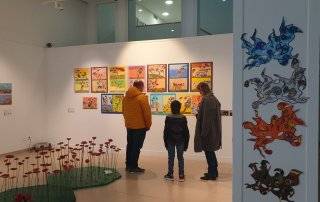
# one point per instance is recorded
(151, 186)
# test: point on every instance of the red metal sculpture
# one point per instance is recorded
(279, 128)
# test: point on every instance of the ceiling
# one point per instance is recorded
(154, 8)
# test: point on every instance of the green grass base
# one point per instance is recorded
(60, 187)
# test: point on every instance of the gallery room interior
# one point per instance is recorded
(67, 68)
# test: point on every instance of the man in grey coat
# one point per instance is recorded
(208, 130)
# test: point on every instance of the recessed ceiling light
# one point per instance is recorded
(169, 2)
(140, 10)
(139, 0)
(165, 14)
(224, 0)
(173, 30)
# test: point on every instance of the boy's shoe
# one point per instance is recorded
(207, 178)
(168, 177)
(181, 178)
(137, 170)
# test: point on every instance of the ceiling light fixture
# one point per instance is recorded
(140, 10)
(165, 14)
(169, 2)
(173, 30)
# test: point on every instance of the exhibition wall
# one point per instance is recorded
(22, 65)
(66, 118)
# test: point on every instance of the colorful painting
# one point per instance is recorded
(99, 80)
(277, 48)
(278, 184)
(136, 73)
(156, 103)
(178, 77)
(5, 93)
(270, 90)
(157, 78)
(280, 128)
(117, 79)
(81, 80)
(186, 102)
(111, 103)
(201, 72)
(90, 103)
(195, 101)
(167, 99)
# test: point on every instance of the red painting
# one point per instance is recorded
(280, 128)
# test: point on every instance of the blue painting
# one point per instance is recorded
(179, 70)
(277, 47)
(178, 77)
(156, 103)
(270, 90)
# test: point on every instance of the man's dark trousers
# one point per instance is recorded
(135, 140)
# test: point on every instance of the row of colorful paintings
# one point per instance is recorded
(5, 93)
(179, 77)
(160, 103)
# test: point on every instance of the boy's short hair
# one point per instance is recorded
(175, 107)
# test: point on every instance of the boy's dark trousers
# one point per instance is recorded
(171, 154)
(135, 140)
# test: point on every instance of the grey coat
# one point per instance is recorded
(208, 127)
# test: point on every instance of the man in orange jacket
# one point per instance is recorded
(137, 116)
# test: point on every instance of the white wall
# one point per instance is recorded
(84, 123)
(22, 66)
(31, 22)
(266, 16)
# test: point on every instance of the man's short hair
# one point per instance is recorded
(138, 84)
(204, 87)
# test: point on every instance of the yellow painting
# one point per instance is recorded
(157, 78)
(81, 80)
(186, 102)
(81, 86)
(201, 72)
(117, 79)
(167, 99)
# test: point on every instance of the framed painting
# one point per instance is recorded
(81, 80)
(156, 104)
(178, 77)
(201, 72)
(111, 103)
(117, 79)
(157, 78)
(136, 73)
(99, 80)
(90, 103)
(167, 99)
(186, 102)
(195, 102)
(5, 93)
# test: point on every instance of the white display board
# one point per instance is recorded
(64, 108)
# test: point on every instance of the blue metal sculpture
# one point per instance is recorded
(289, 90)
(277, 48)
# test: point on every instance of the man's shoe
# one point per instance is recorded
(169, 177)
(137, 170)
(216, 175)
(207, 178)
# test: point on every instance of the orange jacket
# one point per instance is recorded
(136, 109)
